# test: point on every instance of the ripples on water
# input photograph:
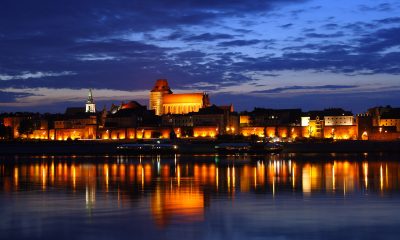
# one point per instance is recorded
(200, 197)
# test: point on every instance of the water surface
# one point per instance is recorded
(286, 196)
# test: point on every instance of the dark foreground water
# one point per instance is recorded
(200, 197)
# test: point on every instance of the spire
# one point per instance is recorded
(90, 106)
(90, 97)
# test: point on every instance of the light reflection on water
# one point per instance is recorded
(200, 197)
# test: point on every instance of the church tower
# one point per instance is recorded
(90, 105)
(157, 94)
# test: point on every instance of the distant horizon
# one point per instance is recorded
(60, 108)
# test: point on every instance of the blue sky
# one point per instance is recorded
(276, 54)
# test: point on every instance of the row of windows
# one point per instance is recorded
(181, 109)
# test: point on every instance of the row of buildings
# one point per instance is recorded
(191, 115)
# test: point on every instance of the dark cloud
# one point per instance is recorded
(239, 43)
(323, 87)
(380, 40)
(389, 20)
(9, 97)
(208, 37)
(383, 7)
(331, 26)
(287, 25)
(325, 35)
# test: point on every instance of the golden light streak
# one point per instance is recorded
(294, 175)
(381, 177)
(142, 169)
(365, 167)
(52, 172)
(43, 177)
(178, 169)
(216, 177)
(233, 177)
(73, 171)
(255, 177)
(333, 177)
(106, 173)
(16, 177)
(228, 178)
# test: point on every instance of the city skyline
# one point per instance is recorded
(308, 54)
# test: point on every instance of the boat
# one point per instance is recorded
(149, 148)
(245, 147)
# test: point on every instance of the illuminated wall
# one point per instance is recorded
(248, 131)
(12, 122)
(244, 120)
(156, 102)
(89, 132)
(118, 134)
(384, 136)
(390, 122)
(341, 132)
(305, 121)
(314, 129)
(270, 132)
(182, 103)
(283, 132)
(181, 108)
(144, 133)
(160, 89)
(38, 134)
(208, 131)
(339, 120)
(273, 131)
(165, 133)
(295, 132)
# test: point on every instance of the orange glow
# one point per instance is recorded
(73, 173)
(16, 177)
(247, 131)
(205, 131)
(186, 202)
(365, 172)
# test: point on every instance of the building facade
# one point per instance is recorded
(164, 101)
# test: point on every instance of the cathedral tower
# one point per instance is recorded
(90, 105)
(157, 94)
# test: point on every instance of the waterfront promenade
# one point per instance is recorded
(188, 147)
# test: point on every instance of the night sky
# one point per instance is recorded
(309, 54)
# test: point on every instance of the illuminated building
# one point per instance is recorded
(90, 105)
(130, 121)
(157, 94)
(379, 123)
(282, 123)
(220, 118)
(163, 101)
(330, 123)
(79, 126)
(77, 122)
(207, 122)
(273, 117)
(391, 118)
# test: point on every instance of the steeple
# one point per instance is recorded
(90, 97)
(90, 105)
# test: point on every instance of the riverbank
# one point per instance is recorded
(187, 147)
